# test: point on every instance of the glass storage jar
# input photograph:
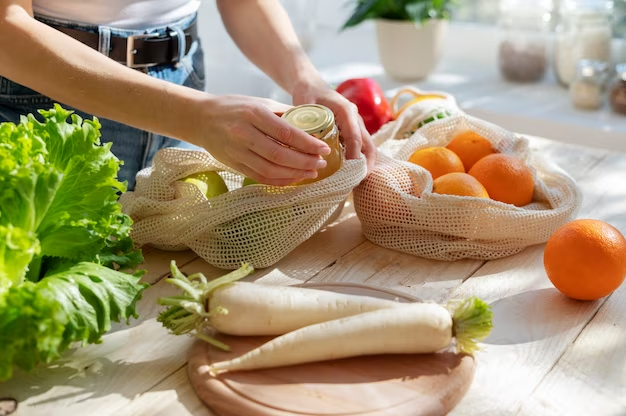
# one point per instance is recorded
(588, 87)
(584, 32)
(523, 50)
(617, 94)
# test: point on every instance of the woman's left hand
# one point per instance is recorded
(355, 136)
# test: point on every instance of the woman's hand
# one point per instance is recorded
(355, 136)
(246, 134)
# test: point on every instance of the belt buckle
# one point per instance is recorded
(131, 51)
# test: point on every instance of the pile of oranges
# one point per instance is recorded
(470, 166)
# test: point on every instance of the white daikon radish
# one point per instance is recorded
(410, 329)
(245, 308)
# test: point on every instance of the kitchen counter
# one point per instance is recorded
(547, 354)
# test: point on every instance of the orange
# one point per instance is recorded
(506, 178)
(437, 160)
(585, 259)
(470, 147)
(459, 183)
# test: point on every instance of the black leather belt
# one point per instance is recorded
(138, 51)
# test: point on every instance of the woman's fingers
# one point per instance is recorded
(367, 147)
(245, 170)
(280, 155)
(347, 120)
(264, 171)
(278, 129)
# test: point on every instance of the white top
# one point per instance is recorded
(123, 14)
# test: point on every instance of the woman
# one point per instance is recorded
(137, 66)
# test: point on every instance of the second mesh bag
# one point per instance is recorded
(398, 209)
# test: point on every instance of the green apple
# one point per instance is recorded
(247, 181)
(210, 183)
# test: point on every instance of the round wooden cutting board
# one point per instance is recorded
(389, 385)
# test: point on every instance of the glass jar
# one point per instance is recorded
(523, 50)
(318, 121)
(617, 94)
(587, 88)
(584, 32)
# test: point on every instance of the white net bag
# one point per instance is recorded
(257, 224)
(398, 209)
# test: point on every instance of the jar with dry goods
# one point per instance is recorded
(588, 87)
(318, 121)
(584, 32)
(523, 50)
(617, 93)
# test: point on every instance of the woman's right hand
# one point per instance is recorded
(246, 133)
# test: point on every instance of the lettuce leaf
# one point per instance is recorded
(64, 241)
(78, 303)
(17, 248)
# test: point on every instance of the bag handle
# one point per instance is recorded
(416, 96)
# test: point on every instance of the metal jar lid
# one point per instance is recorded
(313, 119)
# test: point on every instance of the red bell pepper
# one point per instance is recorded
(369, 98)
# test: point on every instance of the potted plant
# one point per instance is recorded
(410, 33)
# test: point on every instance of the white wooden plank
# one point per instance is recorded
(590, 378)
(423, 278)
(173, 396)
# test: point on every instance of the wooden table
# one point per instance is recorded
(547, 355)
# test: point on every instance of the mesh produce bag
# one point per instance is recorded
(398, 209)
(257, 224)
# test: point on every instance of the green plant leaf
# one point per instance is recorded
(416, 11)
(364, 9)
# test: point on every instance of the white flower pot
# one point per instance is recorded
(410, 51)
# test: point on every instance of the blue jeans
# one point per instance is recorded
(136, 148)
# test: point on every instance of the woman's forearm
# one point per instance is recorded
(263, 32)
(241, 132)
(44, 59)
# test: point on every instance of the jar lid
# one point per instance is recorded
(311, 118)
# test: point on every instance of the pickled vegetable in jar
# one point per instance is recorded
(318, 121)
